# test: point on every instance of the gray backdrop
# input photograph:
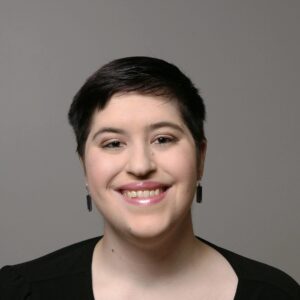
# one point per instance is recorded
(243, 55)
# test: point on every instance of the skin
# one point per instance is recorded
(147, 249)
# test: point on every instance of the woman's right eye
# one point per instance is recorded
(112, 144)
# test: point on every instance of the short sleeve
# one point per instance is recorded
(12, 285)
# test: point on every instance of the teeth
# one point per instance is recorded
(142, 194)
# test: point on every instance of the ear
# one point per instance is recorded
(81, 159)
(201, 158)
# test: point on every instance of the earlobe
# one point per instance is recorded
(201, 158)
(81, 159)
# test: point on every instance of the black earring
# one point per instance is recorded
(199, 193)
(89, 202)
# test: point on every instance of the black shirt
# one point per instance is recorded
(66, 274)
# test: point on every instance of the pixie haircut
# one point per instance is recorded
(142, 75)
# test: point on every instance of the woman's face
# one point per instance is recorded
(140, 165)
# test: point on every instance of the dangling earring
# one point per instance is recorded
(89, 202)
(199, 193)
(88, 199)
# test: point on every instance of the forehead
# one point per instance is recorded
(133, 109)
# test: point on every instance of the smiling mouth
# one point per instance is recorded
(144, 197)
(142, 193)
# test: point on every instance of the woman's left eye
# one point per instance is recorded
(164, 140)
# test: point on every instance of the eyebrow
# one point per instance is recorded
(151, 128)
(108, 129)
(165, 124)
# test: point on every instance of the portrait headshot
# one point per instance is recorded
(149, 150)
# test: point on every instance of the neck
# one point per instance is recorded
(147, 259)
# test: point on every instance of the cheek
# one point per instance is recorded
(181, 163)
(100, 170)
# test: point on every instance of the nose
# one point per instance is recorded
(140, 161)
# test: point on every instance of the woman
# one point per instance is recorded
(138, 123)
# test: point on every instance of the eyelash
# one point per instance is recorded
(167, 140)
(112, 144)
(160, 140)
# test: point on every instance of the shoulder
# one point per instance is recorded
(268, 281)
(259, 278)
(16, 280)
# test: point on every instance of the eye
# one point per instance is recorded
(161, 140)
(113, 144)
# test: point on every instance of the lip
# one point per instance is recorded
(144, 185)
(140, 185)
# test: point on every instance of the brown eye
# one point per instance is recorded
(164, 140)
(113, 145)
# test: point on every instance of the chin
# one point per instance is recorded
(149, 231)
